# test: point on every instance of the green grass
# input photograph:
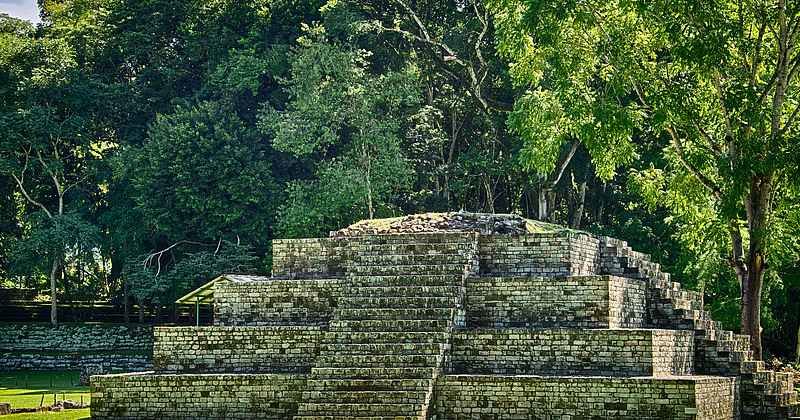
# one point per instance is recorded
(63, 415)
(25, 389)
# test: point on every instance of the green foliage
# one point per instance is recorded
(711, 82)
(203, 175)
(67, 235)
(350, 119)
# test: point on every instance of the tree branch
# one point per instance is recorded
(21, 183)
(157, 255)
(29, 198)
(708, 183)
(564, 164)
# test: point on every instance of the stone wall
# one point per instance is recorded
(11, 294)
(527, 397)
(308, 258)
(709, 401)
(573, 352)
(276, 302)
(544, 254)
(149, 396)
(106, 362)
(236, 349)
(543, 302)
(71, 346)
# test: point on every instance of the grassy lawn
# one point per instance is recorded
(64, 415)
(25, 389)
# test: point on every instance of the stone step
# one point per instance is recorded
(377, 360)
(415, 238)
(776, 382)
(384, 337)
(372, 372)
(770, 389)
(421, 280)
(405, 269)
(667, 306)
(350, 417)
(665, 285)
(637, 260)
(731, 346)
(356, 409)
(793, 410)
(718, 335)
(357, 385)
(381, 348)
(405, 291)
(414, 248)
(411, 259)
(752, 366)
(696, 298)
(407, 313)
(392, 301)
(783, 399)
(416, 396)
(382, 325)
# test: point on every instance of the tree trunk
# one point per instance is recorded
(797, 346)
(157, 314)
(53, 299)
(368, 179)
(542, 215)
(757, 205)
(578, 215)
(751, 302)
(487, 186)
(126, 302)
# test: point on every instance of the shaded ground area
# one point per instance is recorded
(30, 389)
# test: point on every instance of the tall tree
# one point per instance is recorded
(350, 120)
(49, 147)
(715, 80)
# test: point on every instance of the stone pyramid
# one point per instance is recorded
(452, 316)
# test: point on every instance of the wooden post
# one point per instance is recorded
(197, 311)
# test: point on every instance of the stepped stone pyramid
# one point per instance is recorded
(470, 316)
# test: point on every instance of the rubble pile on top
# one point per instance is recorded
(484, 223)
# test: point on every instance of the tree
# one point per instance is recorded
(49, 147)
(203, 175)
(348, 120)
(716, 81)
(465, 91)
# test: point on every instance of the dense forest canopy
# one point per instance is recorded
(148, 145)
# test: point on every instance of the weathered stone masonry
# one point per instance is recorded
(557, 324)
(192, 396)
(276, 302)
(285, 349)
(543, 302)
(568, 352)
(41, 347)
(493, 397)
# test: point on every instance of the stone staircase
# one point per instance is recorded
(391, 332)
(765, 394)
